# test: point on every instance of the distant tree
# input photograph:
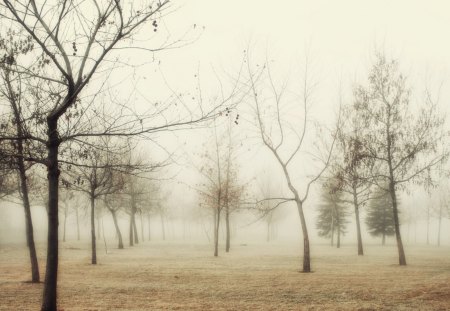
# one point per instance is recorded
(351, 167)
(113, 203)
(67, 197)
(93, 175)
(380, 218)
(332, 218)
(220, 190)
(405, 145)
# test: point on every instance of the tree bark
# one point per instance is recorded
(227, 225)
(93, 241)
(51, 274)
(216, 234)
(35, 278)
(136, 237)
(116, 225)
(401, 251)
(306, 253)
(358, 223)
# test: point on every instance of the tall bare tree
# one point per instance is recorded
(280, 133)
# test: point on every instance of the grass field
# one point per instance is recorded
(178, 276)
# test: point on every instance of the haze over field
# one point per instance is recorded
(199, 154)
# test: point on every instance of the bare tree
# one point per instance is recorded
(279, 133)
(404, 146)
(12, 91)
(94, 176)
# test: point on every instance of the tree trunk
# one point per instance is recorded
(49, 302)
(78, 224)
(306, 253)
(116, 225)
(216, 234)
(136, 238)
(227, 225)
(268, 231)
(35, 278)
(401, 251)
(358, 224)
(93, 242)
(383, 239)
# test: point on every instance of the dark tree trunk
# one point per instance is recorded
(358, 223)
(35, 278)
(51, 274)
(93, 241)
(136, 238)
(116, 225)
(306, 252)
(401, 251)
(227, 225)
(216, 233)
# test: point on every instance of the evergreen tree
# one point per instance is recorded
(332, 214)
(380, 217)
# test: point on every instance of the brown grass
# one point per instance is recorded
(177, 276)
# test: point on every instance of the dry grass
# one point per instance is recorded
(176, 276)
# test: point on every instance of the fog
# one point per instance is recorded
(198, 154)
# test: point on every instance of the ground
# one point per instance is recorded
(184, 276)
